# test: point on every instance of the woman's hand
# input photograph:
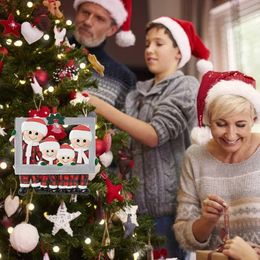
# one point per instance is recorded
(212, 208)
(239, 249)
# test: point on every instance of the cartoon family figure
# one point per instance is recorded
(38, 148)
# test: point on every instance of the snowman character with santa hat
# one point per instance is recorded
(80, 138)
(49, 148)
(66, 156)
(34, 129)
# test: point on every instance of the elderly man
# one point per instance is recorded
(95, 21)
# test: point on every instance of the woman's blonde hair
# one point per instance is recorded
(227, 105)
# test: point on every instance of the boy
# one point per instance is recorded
(160, 113)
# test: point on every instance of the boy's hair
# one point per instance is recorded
(159, 26)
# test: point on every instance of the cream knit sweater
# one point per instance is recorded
(238, 184)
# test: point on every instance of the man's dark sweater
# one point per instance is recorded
(117, 81)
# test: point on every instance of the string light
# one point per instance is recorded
(50, 89)
(69, 22)
(22, 81)
(87, 241)
(3, 165)
(0, 256)
(46, 37)
(18, 43)
(56, 249)
(18, 12)
(136, 255)
(82, 65)
(57, 21)
(10, 230)
(60, 56)
(8, 41)
(102, 222)
(29, 4)
(30, 206)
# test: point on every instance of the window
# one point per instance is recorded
(234, 37)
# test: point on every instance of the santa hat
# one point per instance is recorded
(35, 124)
(80, 131)
(49, 143)
(121, 12)
(214, 84)
(66, 150)
(188, 42)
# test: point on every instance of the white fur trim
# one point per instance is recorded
(204, 66)
(125, 38)
(180, 37)
(65, 152)
(80, 135)
(200, 135)
(235, 87)
(49, 145)
(35, 126)
(114, 7)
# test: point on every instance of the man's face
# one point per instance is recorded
(93, 24)
(32, 136)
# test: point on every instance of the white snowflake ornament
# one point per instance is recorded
(62, 219)
(37, 89)
(59, 35)
(2, 131)
(128, 210)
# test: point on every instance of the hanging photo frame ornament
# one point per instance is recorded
(49, 175)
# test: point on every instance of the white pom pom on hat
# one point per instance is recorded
(121, 12)
(189, 43)
(214, 84)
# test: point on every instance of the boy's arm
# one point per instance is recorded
(138, 129)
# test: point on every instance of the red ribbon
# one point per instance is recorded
(226, 234)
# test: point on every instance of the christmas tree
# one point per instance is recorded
(41, 79)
